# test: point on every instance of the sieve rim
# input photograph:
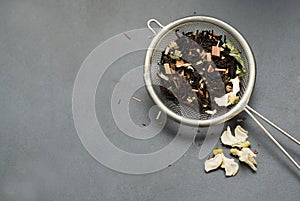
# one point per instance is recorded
(248, 53)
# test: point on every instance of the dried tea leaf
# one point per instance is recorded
(208, 56)
(234, 52)
(229, 44)
(175, 57)
(167, 69)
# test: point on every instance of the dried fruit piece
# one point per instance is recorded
(215, 51)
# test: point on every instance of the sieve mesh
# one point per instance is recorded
(183, 109)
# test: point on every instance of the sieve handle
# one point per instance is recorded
(274, 125)
(247, 109)
(153, 21)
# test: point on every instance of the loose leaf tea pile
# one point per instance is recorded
(201, 70)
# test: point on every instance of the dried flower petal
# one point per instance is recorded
(223, 101)
(219, 160)
(213, 163)
(246, 156)
(240, 133)
(236, 85)
(239, 140)
(231, 167)
(212, 112)
(227, 138)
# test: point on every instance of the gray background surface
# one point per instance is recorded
(42, 46)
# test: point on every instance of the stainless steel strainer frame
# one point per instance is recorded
(243, 103)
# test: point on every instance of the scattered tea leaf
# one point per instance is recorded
(136, 99)
(229, 44)
(175, 57)
(125, 34)
(158, 115)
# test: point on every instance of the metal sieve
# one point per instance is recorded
(183, 113)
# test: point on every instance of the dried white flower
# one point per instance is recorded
(239, 140)
(213, 163)
(212, 112)
(231, 167)
(246, 156)
(230, 98)
(223, 100)
(235, 85)
(219, 160)
(240, 133)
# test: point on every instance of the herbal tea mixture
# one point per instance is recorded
(201, 70)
